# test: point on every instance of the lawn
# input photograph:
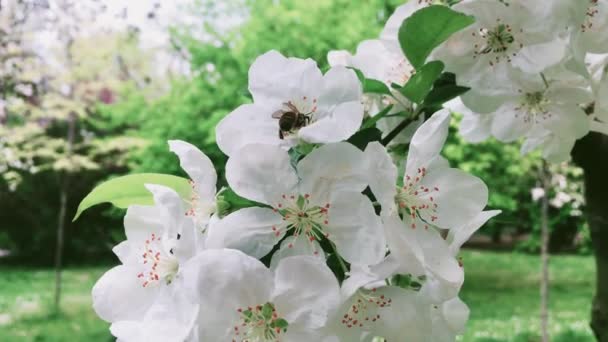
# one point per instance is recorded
(501, 289)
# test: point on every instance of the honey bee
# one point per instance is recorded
(290, 119)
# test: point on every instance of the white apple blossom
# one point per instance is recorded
(549, 115)
(506, 37)
(245, 301)
(160, 239)
(293, 102)
(431, 190)
(203, 179)
(370, 308)
(319, 199)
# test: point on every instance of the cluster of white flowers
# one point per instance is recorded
(536, 69)
(338, 243)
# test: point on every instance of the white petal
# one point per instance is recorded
(338, 125)
(119, 295)
(274, 79)
(428, 140)
(460, 197)
(332, 168)
(141, 221)
(170, 318)
(170, 205)
(225, 280)
(306, 291)
(456, 314)
(248, 230)
(567, 120)
(382, 176)
(123, 252)
(529, 57)
(404, 319)
(339, 57)
(340, 85)
(404, 246)
(460, 234)
(441, 264)
(355, 229)
(394, 22)
(261, 173)
(509, 124)
(294, 246)
(197, 165)
(248, 124)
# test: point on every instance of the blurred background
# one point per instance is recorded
(92, 89)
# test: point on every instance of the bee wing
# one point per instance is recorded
(278, 114)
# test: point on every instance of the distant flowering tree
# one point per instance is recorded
(327, 231)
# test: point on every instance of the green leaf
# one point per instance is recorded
(127, 190)
(375, 87)
(371, 85)
(372, 121)
(421, 83)
(428, 28)
(365, 136)
(444, 89)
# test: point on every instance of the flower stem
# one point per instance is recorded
(392, 134)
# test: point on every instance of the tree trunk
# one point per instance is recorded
(591, 153)
(63, 202)
(544, 255)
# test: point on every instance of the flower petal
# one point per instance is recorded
(382, 176)
(355, 229)
(294, 246)
(197, 165)
(248, 230)
(261, 173)
(306, 291)
(223, 281)
(458, 235)
(460, 197)
(248, 124)
(119, 295)
(274, 79)
(331, 168)
(509, 123)
(428, 140)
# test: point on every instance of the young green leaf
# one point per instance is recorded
(444, 89)
(127, 190)
(421, 83)
(371, 85)
(428, 28)
(365, 136)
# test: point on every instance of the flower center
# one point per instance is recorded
(365, 309)
(302, 218)
(158, 264)
(415, 199)
(533, 108)
(200, 209)
(259, 324)
(499, 43)
(295, 114)
(590, 15)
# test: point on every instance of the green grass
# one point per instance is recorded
(501, 290)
